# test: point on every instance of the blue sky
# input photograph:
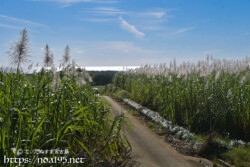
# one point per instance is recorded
(128, 32)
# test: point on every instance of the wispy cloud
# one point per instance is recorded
(22, 21)
(117, 53)
(130, 28)
(99, 20)
(152, 27)
(77, 51)
(158, 15)
(116, 11)
(9, 26)
(125, 47)
(148, 20)
(111, 11)
(182, 30)
(153, 14)
(212, 51)
(246, 34)
(79, 1)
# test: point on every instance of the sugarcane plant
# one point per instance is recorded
(53, 110)
(212, 95)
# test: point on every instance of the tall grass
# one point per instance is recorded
(50, 110)
(212, 95)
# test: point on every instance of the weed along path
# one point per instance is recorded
(149, 149)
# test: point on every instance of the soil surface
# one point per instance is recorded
(150, 149)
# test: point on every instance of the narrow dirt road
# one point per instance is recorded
(151, 149)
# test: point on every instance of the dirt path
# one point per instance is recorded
(151, 149)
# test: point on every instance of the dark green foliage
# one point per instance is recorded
(102, 77)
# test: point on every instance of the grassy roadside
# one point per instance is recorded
(239, 156)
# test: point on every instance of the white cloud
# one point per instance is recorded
(112, 9)
(115, 11)
(105, 11)
(116, 53)
(78, 1)
(9, 26)
(119, 46)
(158, 15)
(130, 28)
(152, 27)
(152, 20)
(69, 1)
(247, 33)
(102, 53)
(23, 21)
(77, 51)
(213, 51)
(99, 20)
(125, 48)
(182, 30)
